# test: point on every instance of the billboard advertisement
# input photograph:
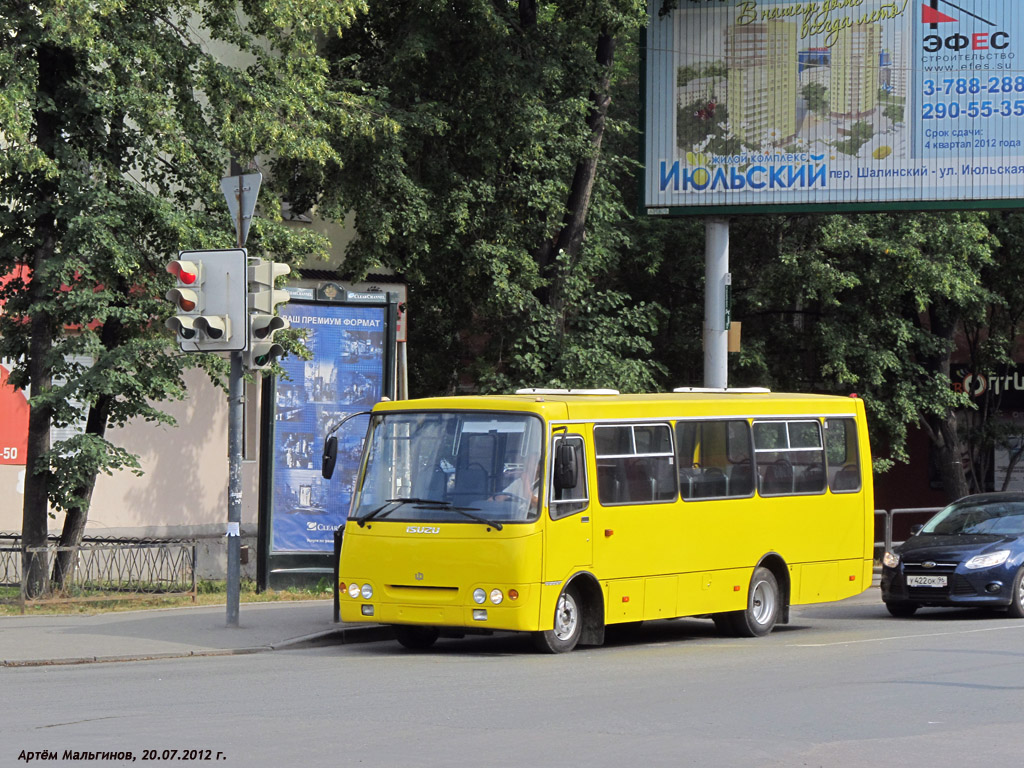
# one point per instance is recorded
(346, 374)
(833, 105)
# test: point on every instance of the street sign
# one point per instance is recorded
(241, 192)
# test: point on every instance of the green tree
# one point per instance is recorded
(495, 198)
(118, 120)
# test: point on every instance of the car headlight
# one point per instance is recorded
(990, 560)
(890, 559)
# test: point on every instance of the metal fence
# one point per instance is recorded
(892, 527)
(104, 569)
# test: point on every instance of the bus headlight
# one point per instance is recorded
(496, 596)
(366, 592)
(479, 596)
(353, 591)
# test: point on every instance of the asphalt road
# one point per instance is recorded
(842, 685)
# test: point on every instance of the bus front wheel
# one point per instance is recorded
(568, 625)
(416, 638)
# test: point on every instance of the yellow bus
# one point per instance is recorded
(560, 512)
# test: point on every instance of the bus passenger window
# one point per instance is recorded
(568, 501)
(790, 457)
(635, 464)
(715, 459)
(842, 456)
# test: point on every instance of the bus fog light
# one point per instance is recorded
(496, 596)
(479, 614)
(479, 596)
(353, 590)
(367, 610)
(367, 592)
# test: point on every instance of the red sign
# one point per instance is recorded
(13, 422)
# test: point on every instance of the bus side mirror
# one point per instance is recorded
(330, 457)
(567, 470)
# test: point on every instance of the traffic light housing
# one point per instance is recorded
(263, 298)
(209, 296)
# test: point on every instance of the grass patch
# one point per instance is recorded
(90, 602)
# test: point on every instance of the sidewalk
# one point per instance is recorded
(174, 633)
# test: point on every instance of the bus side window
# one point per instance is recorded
(715, 459)
(842, 455)
(568, 501)
(635, 464)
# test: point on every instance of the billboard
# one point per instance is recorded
(346, 374)
(833, 105)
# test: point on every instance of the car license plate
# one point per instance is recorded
(926, 581)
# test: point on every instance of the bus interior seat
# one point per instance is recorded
(741, 479)
(847, 479)
(810, 480)
(778, 478)
(470, 483)
(713, 483)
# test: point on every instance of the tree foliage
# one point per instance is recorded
(118, 121)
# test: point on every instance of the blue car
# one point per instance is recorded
(969, 554)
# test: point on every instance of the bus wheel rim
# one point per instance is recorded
(566, 617)
(762, 603)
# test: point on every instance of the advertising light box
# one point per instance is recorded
(833, 105)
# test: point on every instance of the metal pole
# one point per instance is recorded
(236, 412)
(716, 332)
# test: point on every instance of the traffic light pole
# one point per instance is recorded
(236, 412)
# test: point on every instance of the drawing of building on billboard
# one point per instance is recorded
(755, 79)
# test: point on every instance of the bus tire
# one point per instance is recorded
(724, 624)
(763, 604)
(416, 638)
(568, 625)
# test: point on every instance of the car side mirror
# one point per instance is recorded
(916, 529)
(330, 457)
(567, 470)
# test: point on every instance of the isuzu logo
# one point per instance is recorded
(422, 529)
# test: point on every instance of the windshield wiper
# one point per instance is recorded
(397, 503)
(445, 505)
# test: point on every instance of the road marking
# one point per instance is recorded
(904, 637)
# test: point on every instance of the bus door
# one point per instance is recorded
(568, 540)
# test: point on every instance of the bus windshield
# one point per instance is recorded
(455, 466)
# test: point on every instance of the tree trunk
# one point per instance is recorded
(570, 237)
(77, 516)
(942, 428)
(55, 67)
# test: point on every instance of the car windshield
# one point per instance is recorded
(1000, 518)
(451, 466)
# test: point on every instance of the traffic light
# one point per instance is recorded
(262, 350)
(187, 297)
(210, 298)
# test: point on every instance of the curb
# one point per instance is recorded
(341, 636)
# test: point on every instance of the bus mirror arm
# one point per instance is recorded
(566, 469)
(330, 456)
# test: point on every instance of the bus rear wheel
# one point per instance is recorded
(763, 604)
(568, 625)
(416, 638)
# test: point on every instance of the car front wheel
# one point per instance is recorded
(1017, 598)
(901, 610)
